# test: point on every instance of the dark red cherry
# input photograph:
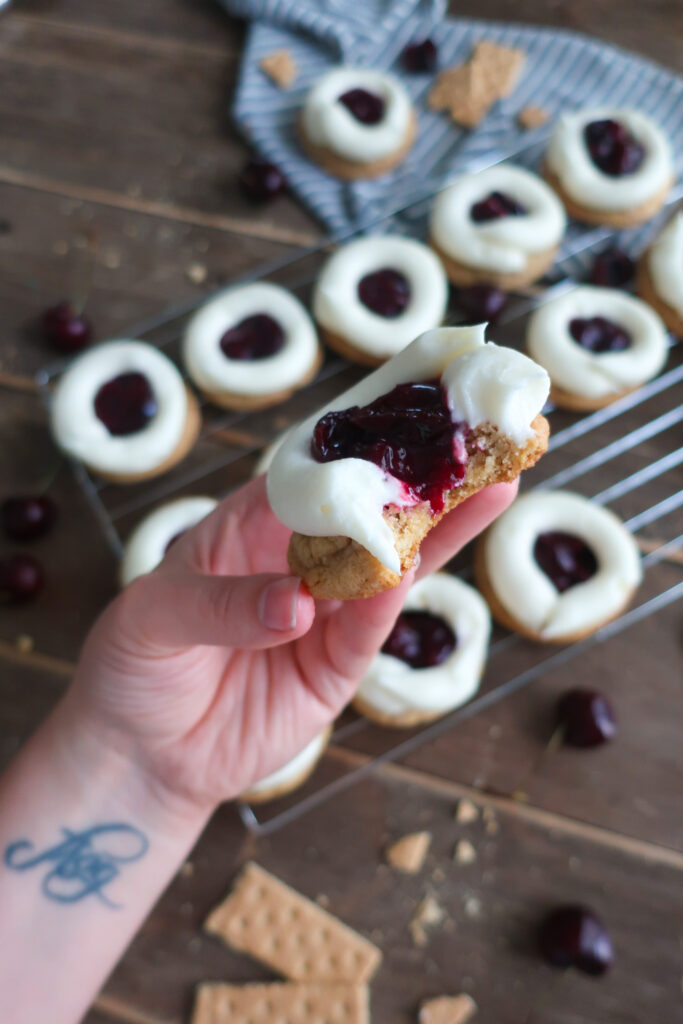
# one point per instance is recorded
(495, 206)
(565, 559)
(612, 148)
(612, 268)
(255, 337)
(21, 579)
(126, 404)
(366, 107)
(481, 302)
(65, 329)
(420, 56)
(598, 334)
(27, 517)
(386, 292)
(420, 639)
(587, 718)
(573, 936)
(261, 181)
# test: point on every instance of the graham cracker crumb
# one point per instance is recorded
(60, 248)
(429, 914)
(438, 875)
(532, 117)
(465, 853)
(323, 900)
(448, 1010)
(472, 906)
(408, 854)
(280, 67)
(196, 272)
(24, 643)
(466, 812)
(187, 870)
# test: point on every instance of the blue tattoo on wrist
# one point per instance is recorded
(83, 863)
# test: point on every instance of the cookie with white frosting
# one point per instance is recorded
(291, 775)
(609, 166)
(364, 480)
(555, 567)
(433, 659)
(123, 409)
(251, 347)
(597, 344)
(357, 123)
(501, 226)
(660, 274)
(375, 295)
(154, 535)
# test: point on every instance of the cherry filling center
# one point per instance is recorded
(386, 292)
(612, 148)
(565, 559)
(494, 206)
(126, 404)
(255, 337)
(366, 107)
(420, 639)
(597, 334)
(408, 432)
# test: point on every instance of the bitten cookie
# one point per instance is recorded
(660, 275)
(597, 344)
(363, 481)
(555, 567)
(501, 226)
(357, 123)
(374, 295)
(123, 409)
(251, 347)
(291, 775)
(154, 535)
(433, 659)
(609, 166)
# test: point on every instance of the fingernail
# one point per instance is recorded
(277, 604)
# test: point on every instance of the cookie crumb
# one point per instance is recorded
(532, 117)
(472, 906)
(60, 248)
(465, 853)
(280, 67)
(323, 900)
(466, 812)
(448, 1010)
(438, 875)
(187, 870)
(24, 643)
(196, 272)
(408, 854)
(429, 914)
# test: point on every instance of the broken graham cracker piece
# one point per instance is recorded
(532, 117)
(275, 1003)
(500, 66)
(464, 92)
(280, 67)
(408, 854)
(448, 1010)
(294, 936)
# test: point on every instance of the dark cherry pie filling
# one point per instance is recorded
(385, 292)
(255, 337)
(495, 206)
(126, 404)
(420, 639)
(598, 334)
(612, 148)
(366, 107)
(408, 432)
(565, 559)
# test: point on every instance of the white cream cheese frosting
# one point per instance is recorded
(337, 307)
(504, 244)
(529, 595)
(147, 544)
(568, 158)
(327, 122)
(596, 375)
(79, 431)
(393, 687)
(291, 771)
(346, 497)
(213, 371)
(665, 264)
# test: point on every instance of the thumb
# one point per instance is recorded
(181, 609)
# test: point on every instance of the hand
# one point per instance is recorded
(218, 667)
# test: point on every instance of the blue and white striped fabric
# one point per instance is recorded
(563, 71)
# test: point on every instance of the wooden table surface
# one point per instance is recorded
(115, 128)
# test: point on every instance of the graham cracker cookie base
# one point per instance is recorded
(264, 795)
(582, 403)
(193, 423)
(351, 170)
(406, 720)
(538, 263)
(339, 568)
(295, 937)
(250, 403)
(348, 350)
(281, 1003)
(646, 290)
(610, 218)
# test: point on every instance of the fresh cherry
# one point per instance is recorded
(255, 337)
(126, 404)
(420, 56)
(21, 579)
(65, 329)
(598, 334)
(586, 717)
(495, 206)
(612, 148)
(366, 107)
(386, 292)
(420, 639)
(261, 181)
(612, 268)
(481, 302)
(27, 517)
(565, 559)
(573, 936)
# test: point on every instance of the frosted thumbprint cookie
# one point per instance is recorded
(555, 567)
(357, 123)
(156, 533)
(433, 659)
(609, 166)
(501, 226)
(290, 776)
(124, 410)
(375, 295)
(364, 480)
(597, 344)
(660, 275)
(251, 347)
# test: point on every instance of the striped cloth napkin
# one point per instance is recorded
(563, 70)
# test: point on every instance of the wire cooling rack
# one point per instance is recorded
(627, 455)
